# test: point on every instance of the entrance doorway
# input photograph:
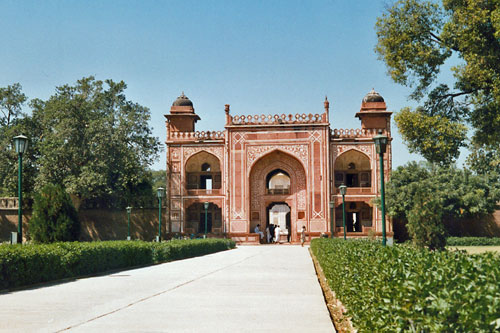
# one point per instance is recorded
(279, 213)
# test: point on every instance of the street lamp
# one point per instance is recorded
(343, 190)
(205, 205)
(129, 209)
(160, 192)
(332, 205)
(20, 144)
(381, 145)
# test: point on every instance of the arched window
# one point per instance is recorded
(203, 172)
(278, 182)
(353, 169)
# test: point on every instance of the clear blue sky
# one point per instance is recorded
(262, 57)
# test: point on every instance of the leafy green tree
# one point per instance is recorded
(94, 142)
(11, 101)
(462, 195)
(425, 225)
(14, 122)
(159, 178)
(416, 38)
(54, 217)
(437, 139)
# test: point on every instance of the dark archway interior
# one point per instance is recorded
(195, 219)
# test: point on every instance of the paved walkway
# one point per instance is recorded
(250, 289)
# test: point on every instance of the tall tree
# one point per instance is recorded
(94, 142)
(11, 102)
(416, 38)
(14, 122)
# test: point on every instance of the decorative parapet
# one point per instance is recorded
(278, 119)
(7, 203)
(198, 135)
(354, 133)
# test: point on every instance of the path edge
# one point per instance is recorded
(337, 311)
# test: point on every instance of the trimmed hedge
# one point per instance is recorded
(402, 288)
(473, 241)
(34, 263)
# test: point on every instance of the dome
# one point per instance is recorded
(373, 96)
(182, 100)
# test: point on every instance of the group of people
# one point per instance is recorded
(273, 233)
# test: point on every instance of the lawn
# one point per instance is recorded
(476, 249)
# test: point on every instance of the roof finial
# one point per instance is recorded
(327, 104)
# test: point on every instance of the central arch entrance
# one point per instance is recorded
(277, 183)
(279, 214)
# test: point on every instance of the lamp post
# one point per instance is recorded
(343, 190)
(205, 205)
(332, 205)
(381, 145)
(20, 144)
(129, 209)
(160, 192)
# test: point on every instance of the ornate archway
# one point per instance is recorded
(295, 197)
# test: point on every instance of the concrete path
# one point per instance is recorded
(250, 289)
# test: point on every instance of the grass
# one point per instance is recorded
(477, 249)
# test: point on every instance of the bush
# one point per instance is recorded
(54, 217)
(34, 263)
(473, 241)
(403, 288)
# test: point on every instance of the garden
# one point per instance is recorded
(406, 288)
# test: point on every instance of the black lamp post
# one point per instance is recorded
(343, 190)
(20, 144)
(332, 205)
(381, 145)
(160, 192)
(129, 209)
(205, 205)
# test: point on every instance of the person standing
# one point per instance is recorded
(268, 235)
(303, 235)
(271, 230)
(277, 233)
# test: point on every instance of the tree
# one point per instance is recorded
(12, 123)
(416, 38)
(11, 102)
(461, 194)
(54, 217)
(437, 139)
(94, 142)
(9, 158)
(425, 225)
(159, 178)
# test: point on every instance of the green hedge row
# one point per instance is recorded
(401, 288)
(34, 263)
(473, 241)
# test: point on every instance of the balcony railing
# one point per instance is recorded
(356, 190)
(203, 192)
(278, 191)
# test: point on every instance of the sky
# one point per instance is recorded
(261, 57)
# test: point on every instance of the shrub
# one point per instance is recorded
(473, 241)
(34, 263)
(403, 288)
(54, 217)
